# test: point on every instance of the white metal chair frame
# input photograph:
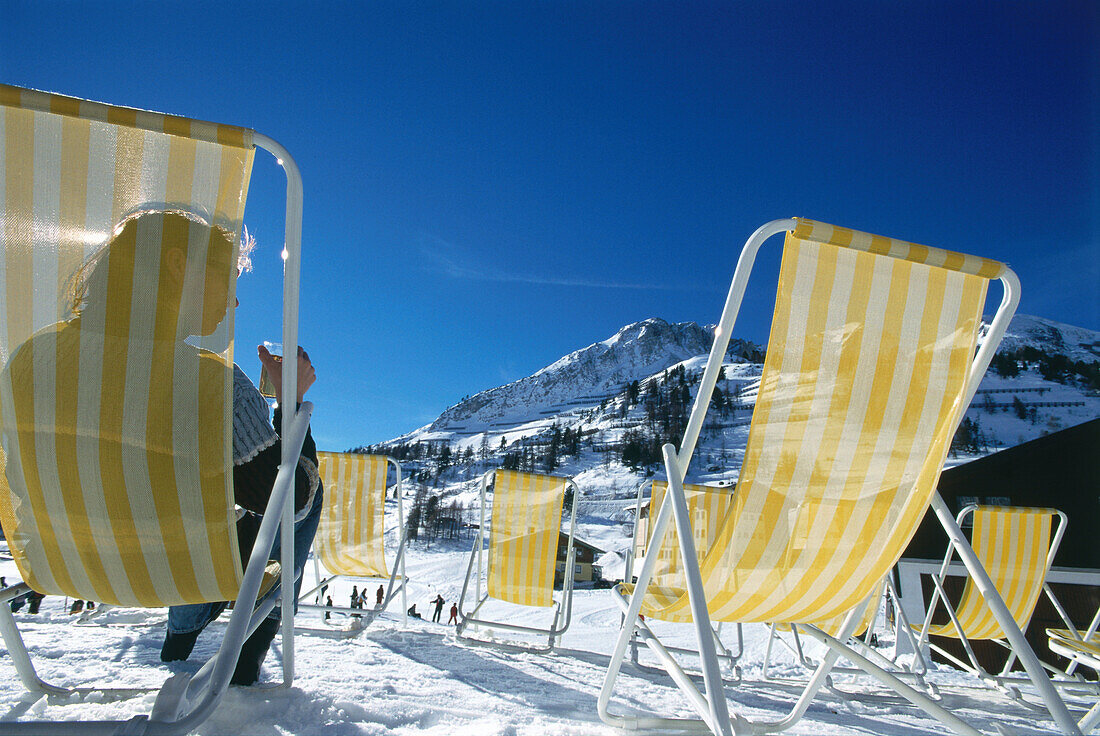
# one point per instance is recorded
(913, 672)
(1002, 680)
(1076, 656)
(726, 657)
(711, 703)
(1074, 634)
(558, 625)
(398, 581)
(185, 701)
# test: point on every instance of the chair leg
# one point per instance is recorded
(891, 681)
(1091, 719)
(719, 717)
(17, 650)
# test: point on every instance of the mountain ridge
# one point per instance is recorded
(584, 377)
(616, 400)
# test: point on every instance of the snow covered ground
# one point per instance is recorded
(415, 678)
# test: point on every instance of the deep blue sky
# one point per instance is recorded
(492, 185)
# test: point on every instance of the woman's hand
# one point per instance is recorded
(274, 366)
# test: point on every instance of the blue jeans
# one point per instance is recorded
(195, 616)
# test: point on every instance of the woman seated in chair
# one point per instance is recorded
(142, 295)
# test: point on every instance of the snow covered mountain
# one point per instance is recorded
(604, 410)
(1055, 338)
(583, 378)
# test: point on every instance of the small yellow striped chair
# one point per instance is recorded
(119, 241)
(872, 360)
(350, 540)
(1016, 546)
(707, 506)
(519, 567)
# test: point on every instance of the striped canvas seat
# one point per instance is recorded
(1014, 545)
(117, 485)
(833, 626)
(350, 538)
(871, 364)
(1062, 641)
(523, 542)
(119, 245)
(862, 387)
(1080, 648)
(519, 565)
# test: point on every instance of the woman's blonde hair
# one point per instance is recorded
(88, 277)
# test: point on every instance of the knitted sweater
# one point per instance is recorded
(257, 452)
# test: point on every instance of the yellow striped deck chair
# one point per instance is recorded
(1016, 546)
(119, 241)
(350, 541)
(520, 565)
(872, 360)
(707, 507)
(1084, 651)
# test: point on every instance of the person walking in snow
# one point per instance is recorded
(438, 607)
(454, 615)
(328, 603)
(356, 601)
(380, 595)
